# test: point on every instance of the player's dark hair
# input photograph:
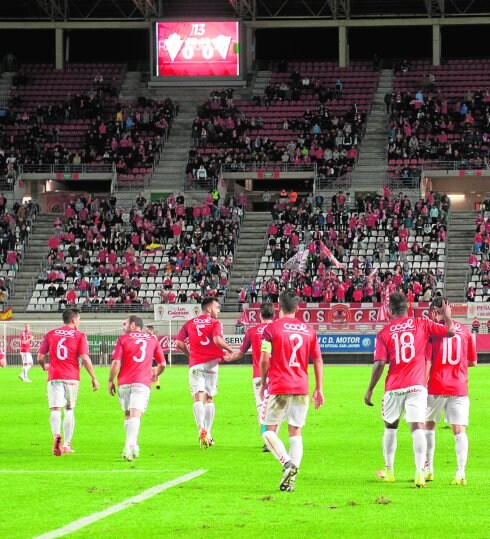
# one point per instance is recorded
(150, 327)
(136, 320)
(398, 303)
(207, 301)
(69, 315)
(288, 301)
(436, 303)
(267, 311)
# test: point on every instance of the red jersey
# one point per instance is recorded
(450, 358)
(64, 346)
(25, 341)
(253, 338)
(136, 351)
(293, 344)
(198, 335)
(402, 342)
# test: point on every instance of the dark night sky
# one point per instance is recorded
(315, 43)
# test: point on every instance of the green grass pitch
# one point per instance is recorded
(337, 492)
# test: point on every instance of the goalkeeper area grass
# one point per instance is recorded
(177, 490)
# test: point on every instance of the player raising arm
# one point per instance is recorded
(64, 346)
(201, 340)
(132, 359)
(402, 344)
(287, 346)
(253, 338)
(449, 359)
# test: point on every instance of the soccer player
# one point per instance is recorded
(131, 362)
(3, 359)
(64, 346)
(402, 343)
(253, 338)
(151, 331)
(287, 346)
(201, 340)
(449, 359)
(25, 353)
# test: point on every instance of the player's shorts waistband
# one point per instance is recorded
(402, 391)
(135, 385)
(69, 382)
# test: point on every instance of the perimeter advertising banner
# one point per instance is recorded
(480, 310)
(197, 49)
(176, 311)
(337, 313)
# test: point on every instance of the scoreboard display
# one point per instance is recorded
(197, 49)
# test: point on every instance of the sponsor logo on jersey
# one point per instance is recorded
(65, 332)
(409, 324)
(296, 327)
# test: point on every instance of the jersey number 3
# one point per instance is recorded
(143, 346)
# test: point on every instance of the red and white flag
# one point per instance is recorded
(327, 253)
(297, 262)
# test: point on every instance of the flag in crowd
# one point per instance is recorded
(327, 253)
(297, 262)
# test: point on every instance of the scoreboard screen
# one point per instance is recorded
(197, 49)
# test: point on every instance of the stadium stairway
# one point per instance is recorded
(5, 84)
(34, 256)
(370, 171)
(460, 236)
(249, 250)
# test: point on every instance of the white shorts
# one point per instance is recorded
(290, 408)
(134, 396)
(26, 357)
(204, 378)
(63, 393)
(456, 409)
(258, 400)
(412, 400)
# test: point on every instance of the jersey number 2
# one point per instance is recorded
(299, 343)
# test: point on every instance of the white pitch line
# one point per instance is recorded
(145, 495)
(91, 471)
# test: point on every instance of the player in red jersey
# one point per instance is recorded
(287, 346)
(402, 343)
(3, 359)
(25, 353)
(64, 346)
(201, 340)
(132, 359)
(448, 360)
(253, 338)
(151, 331)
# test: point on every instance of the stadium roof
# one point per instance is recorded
(65, 10)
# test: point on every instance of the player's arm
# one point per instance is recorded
(3, 361)
(219, 341)
(87, 363)
(182, 347)
(428, 360)
(239, 354)
(265, 357)
(445, 310)
(318, 397)
(376, 373)
(115, 368)
(42, 352)
(159, 357)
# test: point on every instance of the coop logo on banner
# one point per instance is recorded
(346, 343)
(176, 311)
(480, 310)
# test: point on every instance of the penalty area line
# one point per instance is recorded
(145, 495)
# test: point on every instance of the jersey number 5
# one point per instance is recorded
(299, 343)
